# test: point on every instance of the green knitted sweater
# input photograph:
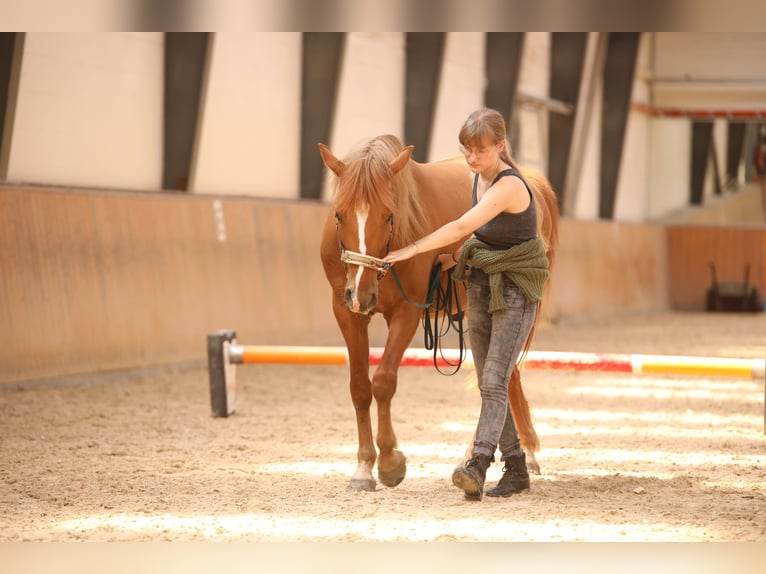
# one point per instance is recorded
(525, 264)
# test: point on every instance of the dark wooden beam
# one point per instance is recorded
(322, 62)
(619, 71)
(425, 52)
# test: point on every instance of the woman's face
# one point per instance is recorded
(480, 155)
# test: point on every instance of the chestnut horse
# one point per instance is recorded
(384, 200)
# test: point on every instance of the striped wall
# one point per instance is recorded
(103, 267)
(241, 113)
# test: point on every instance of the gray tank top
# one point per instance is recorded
(505, 229)
(508, 229)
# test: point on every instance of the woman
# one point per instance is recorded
(508, 271)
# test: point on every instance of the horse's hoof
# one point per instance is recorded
(391, 478)
(533, 467)
(361, 485)
(394, 475)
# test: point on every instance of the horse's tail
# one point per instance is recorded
(521, 414)
(546, 206)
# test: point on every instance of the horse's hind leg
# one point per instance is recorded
(523, 419)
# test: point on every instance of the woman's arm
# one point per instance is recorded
(502, 196)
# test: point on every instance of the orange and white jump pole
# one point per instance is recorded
(224, 354)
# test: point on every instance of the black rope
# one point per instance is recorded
(444, 320)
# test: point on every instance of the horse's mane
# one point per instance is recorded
(362, 184)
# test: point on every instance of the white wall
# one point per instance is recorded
(585, 203)
(669, 166)
(532, 147)
(371, 92)
(461, 90)
(674, 70)
(701, 70)
(633, 179)
(249, 130)
(89, 111)
(720, 143)
(719, 71)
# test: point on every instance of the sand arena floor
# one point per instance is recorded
(140, 458)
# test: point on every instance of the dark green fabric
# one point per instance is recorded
(525, 264)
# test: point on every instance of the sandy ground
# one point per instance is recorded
(624, 458)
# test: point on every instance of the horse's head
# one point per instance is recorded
(366, 209)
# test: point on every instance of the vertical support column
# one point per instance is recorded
(566, 71)
(222, 372)
(734, 148)
(713, 151)
(595, 55)
(425, 51)
(503, 65)
(320, 76)
(702, 135)
(619, 73)
(185, 63)
(11, 52)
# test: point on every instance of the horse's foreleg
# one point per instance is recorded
(392, 464)
(354, 329)
(361, 396)
(523, 419)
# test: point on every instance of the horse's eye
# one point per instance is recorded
(338, 218)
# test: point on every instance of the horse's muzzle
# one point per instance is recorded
(364, 306)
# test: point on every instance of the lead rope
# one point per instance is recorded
(440, 300)
(434, 332)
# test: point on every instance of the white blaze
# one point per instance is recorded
(361, 221)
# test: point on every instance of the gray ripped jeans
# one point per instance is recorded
(497, 340)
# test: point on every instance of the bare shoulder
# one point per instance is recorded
(513, 192)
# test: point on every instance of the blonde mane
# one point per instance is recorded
(364, 184)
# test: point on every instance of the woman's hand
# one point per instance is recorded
(402, 254)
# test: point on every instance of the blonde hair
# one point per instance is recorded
(486, 124)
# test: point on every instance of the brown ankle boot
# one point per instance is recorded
(470, 478)
(515, 477)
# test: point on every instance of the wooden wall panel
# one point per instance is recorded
(99, 281)
(607, 268)
(691, 249)
(96, 281)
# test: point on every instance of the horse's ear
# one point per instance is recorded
(398, 163)
(330, 160)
